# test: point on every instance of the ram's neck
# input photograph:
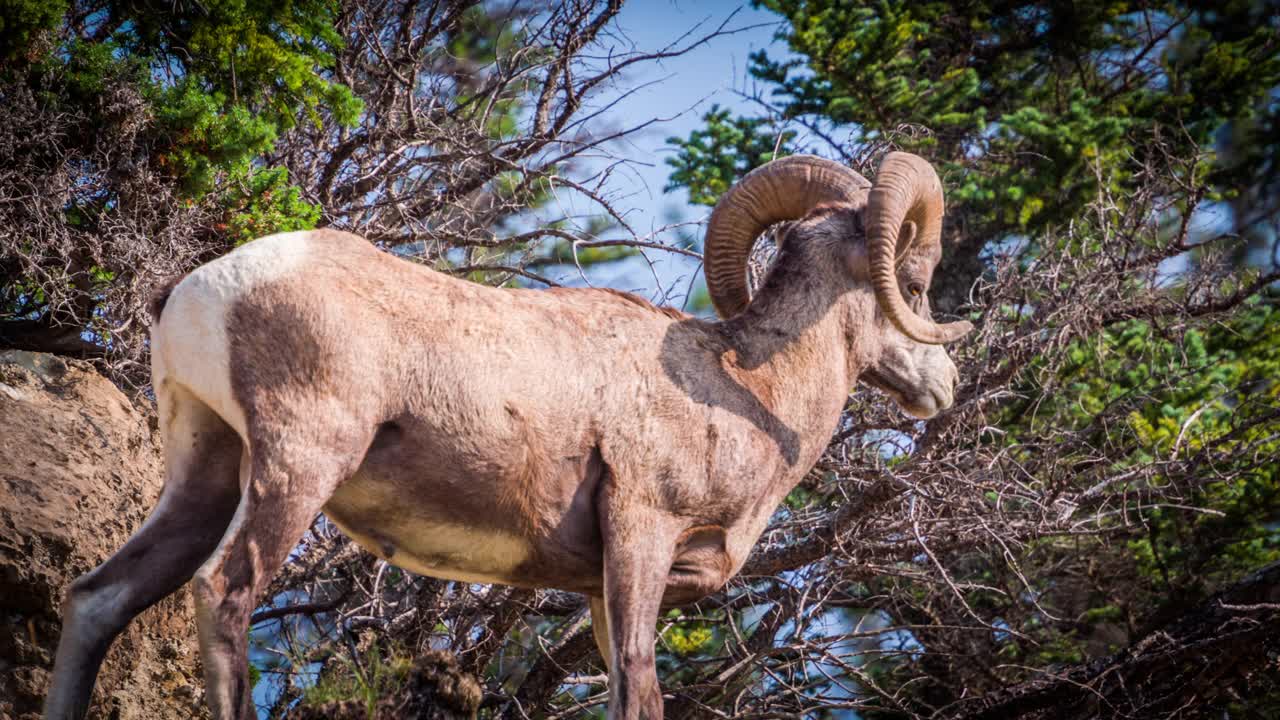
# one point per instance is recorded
(792, 344)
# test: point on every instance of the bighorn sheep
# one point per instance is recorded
(580, 439)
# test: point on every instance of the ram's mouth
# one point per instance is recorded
(922, 404)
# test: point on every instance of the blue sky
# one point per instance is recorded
(685, 87)
(679, 90)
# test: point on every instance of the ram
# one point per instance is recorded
(579, 439)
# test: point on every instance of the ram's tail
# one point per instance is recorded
(160, 296)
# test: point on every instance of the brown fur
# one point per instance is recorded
(632, 297)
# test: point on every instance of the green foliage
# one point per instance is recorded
(1043, 98)
(690, 637)
(207, 137)
(22, 20)
(265, 57)
(189, 98)
(267, 203)
(249, 71)
(1230, 378)
(222, 79)
(1205, 396)
(713, 159)
(75, 80)
(367, 681)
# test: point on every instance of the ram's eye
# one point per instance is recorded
(916, 289)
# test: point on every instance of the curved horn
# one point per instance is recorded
(785, 189)
(906, 190)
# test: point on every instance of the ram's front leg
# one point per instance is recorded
(638, 547)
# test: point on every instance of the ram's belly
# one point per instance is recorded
(414, 533)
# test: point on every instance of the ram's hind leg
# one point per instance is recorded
(291, 470)
(202, 457)
(600, 629)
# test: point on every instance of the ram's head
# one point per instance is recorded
(887, 240)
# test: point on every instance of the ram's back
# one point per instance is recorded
(324, 311)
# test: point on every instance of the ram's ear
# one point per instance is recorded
(857, 260)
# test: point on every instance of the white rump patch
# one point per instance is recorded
(189, 345)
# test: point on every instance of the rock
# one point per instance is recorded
(79, 472)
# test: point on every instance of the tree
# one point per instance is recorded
(1111, 463)
(1025, 106)
(131, 146)
(141, 141)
